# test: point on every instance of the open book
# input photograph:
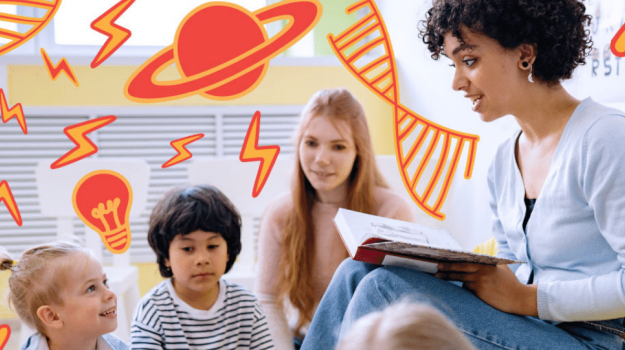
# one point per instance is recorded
(383, 241)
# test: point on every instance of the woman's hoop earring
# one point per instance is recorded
(529, 77)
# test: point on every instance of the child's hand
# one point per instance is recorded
(495, 285)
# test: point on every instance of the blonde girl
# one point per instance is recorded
(59, 289)
(405, 326)
(299, 247)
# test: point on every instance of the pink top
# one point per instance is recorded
(328, 247)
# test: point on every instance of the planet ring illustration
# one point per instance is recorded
(223, 77)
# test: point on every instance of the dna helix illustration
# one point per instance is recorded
(416, 138)
(16, 38)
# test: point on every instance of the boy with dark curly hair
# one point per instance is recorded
(195, 233)
(556, 192)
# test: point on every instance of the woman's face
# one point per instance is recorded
(327, 154)
(489, 74)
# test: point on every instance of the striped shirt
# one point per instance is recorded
(164, 321)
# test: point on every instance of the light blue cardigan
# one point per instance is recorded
(37, 342)
(575, 241)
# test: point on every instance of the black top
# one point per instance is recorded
(529, 207)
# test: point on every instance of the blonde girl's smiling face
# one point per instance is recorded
(89, 306)
(197, 261)
(327, 154)
(487, 73)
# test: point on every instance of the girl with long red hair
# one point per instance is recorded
(299, 247)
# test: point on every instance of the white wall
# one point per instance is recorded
(425, 87)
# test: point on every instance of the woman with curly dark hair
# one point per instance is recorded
(556, 192)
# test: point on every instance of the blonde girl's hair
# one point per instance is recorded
(405, 326)
(38, 278)
(296, 262)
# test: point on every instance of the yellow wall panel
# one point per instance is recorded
(31, 85)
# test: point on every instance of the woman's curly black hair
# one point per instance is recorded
(557, 27)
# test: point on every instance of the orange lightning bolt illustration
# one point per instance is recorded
(84, 147)
(250, 152)
(5, 334)
(6, 196)
(15, 112)
(105, 24)
(183, 152)
(55, 70)
(618, 43)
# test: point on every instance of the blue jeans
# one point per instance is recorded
(358, 289)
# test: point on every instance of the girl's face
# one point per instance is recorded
(488, 73)
(89, 306)
(197, 261)
(327, 154)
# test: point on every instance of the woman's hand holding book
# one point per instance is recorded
(496, 285)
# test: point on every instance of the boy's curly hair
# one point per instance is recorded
(184, 210)
(557, 27)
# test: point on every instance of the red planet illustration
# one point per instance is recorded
(222, 51)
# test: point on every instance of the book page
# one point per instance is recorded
(348, 237)
(427, 267)
(355, 228)
(414, 234)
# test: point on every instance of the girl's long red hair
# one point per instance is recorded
(296, 262)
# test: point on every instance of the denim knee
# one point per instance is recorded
(402, 284)
(352, 272)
